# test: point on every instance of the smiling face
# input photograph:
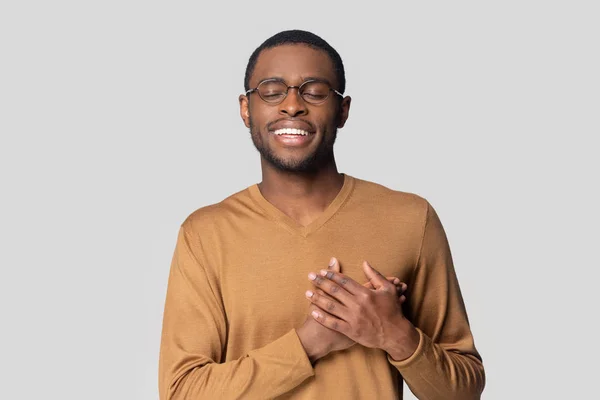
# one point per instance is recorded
(294, 136)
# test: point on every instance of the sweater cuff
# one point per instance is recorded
(296, 350)
(414, 357)
(286, 353)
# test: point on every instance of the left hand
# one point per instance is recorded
(373, 318)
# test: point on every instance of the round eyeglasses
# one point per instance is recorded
(274, 91)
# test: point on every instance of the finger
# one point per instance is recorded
(401, 288)
(349, 284)
(402, 299)
(375, 277)
(326, 302)
(334, 290)
(393, 279)
(334, 264)
(397, 285)
(329, 321)
(396, 282)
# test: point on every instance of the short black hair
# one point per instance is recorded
(298, 37)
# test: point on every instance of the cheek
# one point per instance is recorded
(328, 122)
(330, 117)
(260, 116)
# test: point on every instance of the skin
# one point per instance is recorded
(302, 181)
(330, 340)
(373, 318)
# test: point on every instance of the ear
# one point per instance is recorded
(344, 111)
(244, 110)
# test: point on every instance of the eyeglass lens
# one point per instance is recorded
(311, 92)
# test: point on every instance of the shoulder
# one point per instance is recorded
(211, 215)
(393, 213)
(390, 200)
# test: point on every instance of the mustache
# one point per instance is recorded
(270, 124)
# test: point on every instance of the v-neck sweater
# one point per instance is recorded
(293, 226)
(235, 298)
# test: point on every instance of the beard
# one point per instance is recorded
(311, 163)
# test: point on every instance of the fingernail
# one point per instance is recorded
(315, 314)
(312, 276)
(323, 272)
(332, 262)
(396, 281)
(309, 294)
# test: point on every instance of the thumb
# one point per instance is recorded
(334, 264)
(374, 277)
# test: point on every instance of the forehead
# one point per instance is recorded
(293, 63)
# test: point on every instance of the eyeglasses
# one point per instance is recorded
(274, 91)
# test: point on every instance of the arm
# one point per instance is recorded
(194, 336)
(445, 364)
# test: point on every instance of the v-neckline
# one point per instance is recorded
(291, 224)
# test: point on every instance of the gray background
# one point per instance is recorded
(120, 118)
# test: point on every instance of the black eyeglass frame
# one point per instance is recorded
(250, 91)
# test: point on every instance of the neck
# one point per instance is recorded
(302, 196)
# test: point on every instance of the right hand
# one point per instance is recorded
(318, 340)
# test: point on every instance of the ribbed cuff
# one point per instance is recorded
(287, 356)
(296, 350)
(414, 357)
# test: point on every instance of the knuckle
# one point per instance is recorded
(335, 288)
(361, 309)
(362, 303)
(343, 328)
(364, 298)
(330, 306)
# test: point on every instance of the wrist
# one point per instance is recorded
(404, 342)
(312, 346)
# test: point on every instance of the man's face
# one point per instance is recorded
(294, 64)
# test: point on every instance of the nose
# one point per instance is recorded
(293, 105)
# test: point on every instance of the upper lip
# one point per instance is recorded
(294, 124)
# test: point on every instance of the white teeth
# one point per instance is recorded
(290, 131)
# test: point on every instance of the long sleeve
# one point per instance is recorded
(194, 337)
(446, 364)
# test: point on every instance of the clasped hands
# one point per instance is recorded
(344, 312)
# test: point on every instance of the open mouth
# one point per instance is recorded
(291, 137)
(291, 132)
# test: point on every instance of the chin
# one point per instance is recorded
(294, 166)
(307, 164)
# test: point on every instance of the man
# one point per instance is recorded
(264, 299)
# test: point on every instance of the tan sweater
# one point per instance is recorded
(236, 295)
